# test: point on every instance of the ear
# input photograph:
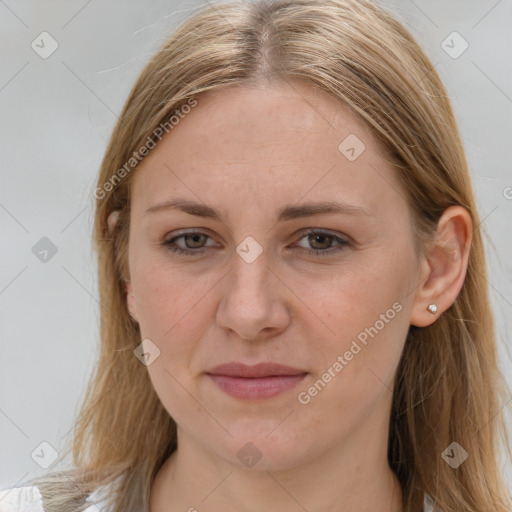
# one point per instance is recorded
(130, 301)
(443, 266)
(112, 220)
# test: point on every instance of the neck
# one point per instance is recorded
(351, 477)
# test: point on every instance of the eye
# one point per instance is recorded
(320, 241)
(193, 243)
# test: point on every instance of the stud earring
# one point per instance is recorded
(432, 308)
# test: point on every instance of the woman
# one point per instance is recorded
(294, 301)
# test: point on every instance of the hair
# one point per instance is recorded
(448, 385)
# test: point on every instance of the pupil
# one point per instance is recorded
(195, 237)
(320, 237)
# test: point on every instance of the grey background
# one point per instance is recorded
(57, 114)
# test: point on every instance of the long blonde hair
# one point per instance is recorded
(448, 387)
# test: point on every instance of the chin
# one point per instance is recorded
(254, 449)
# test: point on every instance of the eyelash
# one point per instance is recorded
(191, 252)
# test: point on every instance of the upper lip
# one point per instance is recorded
(235, 369)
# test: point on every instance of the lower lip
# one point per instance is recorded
(263, 387)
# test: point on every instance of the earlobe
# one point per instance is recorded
(444, 267)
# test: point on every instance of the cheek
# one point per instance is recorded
(365, 339)
(356, 373)
(367, 310)
(167, 301)
(170, 309)
(343, 304)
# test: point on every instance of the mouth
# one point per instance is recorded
(264, 380)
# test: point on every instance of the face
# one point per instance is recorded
(328, 293)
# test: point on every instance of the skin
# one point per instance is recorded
(247, 152)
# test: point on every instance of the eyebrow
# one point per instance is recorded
(288, 212)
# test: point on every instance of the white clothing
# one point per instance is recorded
(29, 499)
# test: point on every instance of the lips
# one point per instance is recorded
(236, 369)
(263, 380)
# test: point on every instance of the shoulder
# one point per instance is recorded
(428, 504)
(21, 499)
(29, 499)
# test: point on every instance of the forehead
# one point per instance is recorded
(266, 144)
(246, 117)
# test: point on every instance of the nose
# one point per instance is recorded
(254, 300)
